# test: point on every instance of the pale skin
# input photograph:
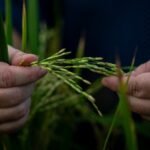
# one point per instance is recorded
(16, 86)
(138, 89)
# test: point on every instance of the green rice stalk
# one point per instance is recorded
(127, 121)
(24, 27)
(58, 66)
(8, 21)
(124, 112)
(33, 26)
(111, 127)
(3, 46)
(61, 68)
(131, 66)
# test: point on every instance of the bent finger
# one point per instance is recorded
(111, 82)
(146, 117)
(12, 76)
(140, 106)
(10, 97)
(19, 58)
(14, 113)
(14, 125)
(140, 86)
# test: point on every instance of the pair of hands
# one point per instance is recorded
(138, 89)
(16, 86)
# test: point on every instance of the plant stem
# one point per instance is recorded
(3, 45)
(8, 21)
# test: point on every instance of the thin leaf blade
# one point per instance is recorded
(3, 44)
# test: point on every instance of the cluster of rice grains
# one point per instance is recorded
(60, 67)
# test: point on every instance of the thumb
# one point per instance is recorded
(19, 58)
(111, 82)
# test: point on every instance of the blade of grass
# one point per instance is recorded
(124, 112)
(132, 66)
(80, 53)
(33, 25)
(3, 45)
(127, 121)
(24, 27)
(8, 21)
(111, 128)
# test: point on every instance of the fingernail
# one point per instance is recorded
(105, 81)
(21, 62)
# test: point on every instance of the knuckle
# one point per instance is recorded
(6, 78)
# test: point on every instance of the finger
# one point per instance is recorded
(142, 69)
(10, 97)
(146, 117)
(13, 125)
(14, 113)
(12, 76)
(19, 58)
(141, 106)
(111, 82)
(139, 86)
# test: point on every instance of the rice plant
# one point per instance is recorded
(33, 25)
(8, 16)
(59, 103)
(3, 45)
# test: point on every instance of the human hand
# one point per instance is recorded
(16, 86)
(138, 89)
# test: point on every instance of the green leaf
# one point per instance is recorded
(127, 121)
(3, 45)
(8, 21)
(24, 27)
(33, 26)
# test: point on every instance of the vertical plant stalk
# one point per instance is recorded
(124, 112)
(33, 25)
(24, 27)
(3, 44)
(127, 121)
(111, 128)
(8, 21)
